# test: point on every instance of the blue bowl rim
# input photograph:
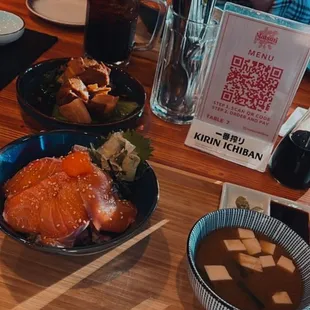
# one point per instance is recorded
(90, 249)
(23, 102)
(191, 260)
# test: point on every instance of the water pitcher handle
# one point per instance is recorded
(159, 25)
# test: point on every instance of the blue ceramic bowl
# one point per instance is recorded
(19, 153)
(28, 93)
(281, 234)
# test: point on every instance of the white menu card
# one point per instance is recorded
(254, 74)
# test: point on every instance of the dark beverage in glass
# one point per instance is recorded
(111, 27)
(294, 218)
(290, 163)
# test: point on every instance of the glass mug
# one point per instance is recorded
(111, 27)
(185, 45)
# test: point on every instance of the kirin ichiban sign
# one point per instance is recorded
(254, 74)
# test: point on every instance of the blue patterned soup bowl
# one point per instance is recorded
(260, 224)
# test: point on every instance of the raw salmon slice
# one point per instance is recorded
(32, 174)
(57, 202)
(106, 211)
(53, 209)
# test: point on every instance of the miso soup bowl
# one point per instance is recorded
(281, 234)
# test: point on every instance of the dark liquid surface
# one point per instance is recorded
(290, 164)
(263, 285)
(110, 30)
(296, 219)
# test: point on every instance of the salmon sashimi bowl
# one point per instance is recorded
(82, 198)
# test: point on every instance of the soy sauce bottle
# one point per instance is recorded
(290, 162)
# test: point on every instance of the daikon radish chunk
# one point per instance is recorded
(75, 111)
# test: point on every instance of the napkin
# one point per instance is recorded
(19, 55)
(292, 120)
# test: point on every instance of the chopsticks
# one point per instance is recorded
(52, 292)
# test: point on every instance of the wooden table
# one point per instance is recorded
(152, 274)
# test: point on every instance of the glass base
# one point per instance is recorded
(169, 116)
(119, 64)
(299, 188)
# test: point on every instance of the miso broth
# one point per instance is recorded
(248, 289)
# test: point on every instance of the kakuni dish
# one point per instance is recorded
(38, 86)
(82, 92)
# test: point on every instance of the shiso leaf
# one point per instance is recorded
(95, 155)
(142, 144)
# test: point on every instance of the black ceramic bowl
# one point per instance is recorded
(28, 88)
(19, 153)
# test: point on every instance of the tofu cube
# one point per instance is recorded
(234, 245)
(250, 262)
(217, 273)
(252, 246)
(246, 233)
(267, 261)
(281, 298)
(267, 247)
(286, 264)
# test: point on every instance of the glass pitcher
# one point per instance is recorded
(184, 46)
(111, 27)
(290, 162)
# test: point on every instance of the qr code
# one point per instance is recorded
(251, 84)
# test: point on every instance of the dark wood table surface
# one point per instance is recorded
(151, 274)
(168, 139)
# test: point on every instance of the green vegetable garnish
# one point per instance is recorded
(123, 109)
(95, 155)
(242, 203)
(142, 144)
(50, 84)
